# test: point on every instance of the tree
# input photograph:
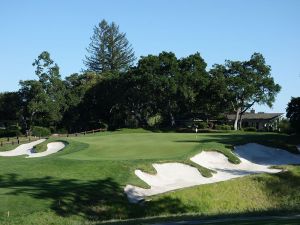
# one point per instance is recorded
(43, 100)
(34, 102)
(248, 82)
(293, 113)
(193, 81)
(109, 50)
(50, 79)
(77, 85)
(10, 106)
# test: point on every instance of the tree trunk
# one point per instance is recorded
(240, 122)
(237, 118)
(172, 120)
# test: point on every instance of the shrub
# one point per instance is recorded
(40, 131)
(223, 127)
(155, 120)
(253, 129)
(202, 125)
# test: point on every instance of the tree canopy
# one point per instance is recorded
(293, 113)
(248, 82)
(159, 90)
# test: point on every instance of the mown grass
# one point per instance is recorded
(85, 181)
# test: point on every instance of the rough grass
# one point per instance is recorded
(84, 182)
(248, 194)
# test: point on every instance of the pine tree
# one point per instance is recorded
(109, 50)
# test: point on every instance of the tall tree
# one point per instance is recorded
(109, 50)
(34, 106)
(293, 113)
(248, 82)
(50, 78)
(43, 100)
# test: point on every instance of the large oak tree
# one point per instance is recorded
(248, 83)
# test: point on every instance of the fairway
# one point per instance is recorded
(85, 180)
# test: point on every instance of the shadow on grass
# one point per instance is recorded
(94, 200)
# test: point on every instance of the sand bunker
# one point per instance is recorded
(24, 149)
(52, 147)
(254, 158)
(27, 149)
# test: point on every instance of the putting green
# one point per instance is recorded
(136, 146)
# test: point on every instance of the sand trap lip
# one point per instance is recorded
(27, 149)
(254, 158)
(52, 148)
(24, 149)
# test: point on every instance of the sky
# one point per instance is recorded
(217, 29)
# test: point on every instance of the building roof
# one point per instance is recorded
(256, 116)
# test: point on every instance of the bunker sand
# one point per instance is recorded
(254, 158)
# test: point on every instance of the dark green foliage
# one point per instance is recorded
(285, 126)
(223, 127)
(40, 131)
(250, 129)
(10, 103)
(201, 125)
(109, 50)
(10, 133)
(293, 113)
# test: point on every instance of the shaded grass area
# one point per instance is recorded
(84, 182)
(248, 219)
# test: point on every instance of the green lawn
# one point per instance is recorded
(85, 181)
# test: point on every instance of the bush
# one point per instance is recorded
(253, 129)
(223, 127)
(202, 125)
(40, 131)
(155, 121)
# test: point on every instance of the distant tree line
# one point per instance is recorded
(115, 92)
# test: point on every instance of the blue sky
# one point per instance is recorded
(219, 30)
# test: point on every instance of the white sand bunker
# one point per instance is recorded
(28, 149)
(52, 147)
(254, 158)
(24, 149)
